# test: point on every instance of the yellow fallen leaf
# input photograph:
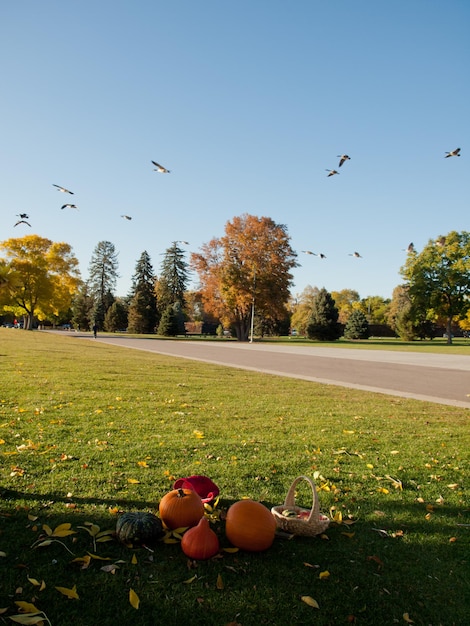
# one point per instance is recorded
(231, 550)
(324, 574)
(407, 618)
(383, 490)
(26, 607)
(133, 481)
(310, 601)
(134, 599)
(452, 539)
(28, 618)
(142, 463)
(220, 583)
(348, 432)
(370, 466)
(70, 593)
(134, 559)
(190, 580)
(350, 535)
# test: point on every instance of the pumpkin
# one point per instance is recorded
(180, 508)
(200, 542)
(249, 525)
(139, 527)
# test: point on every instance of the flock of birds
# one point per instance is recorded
(24, 217)
(411, 248)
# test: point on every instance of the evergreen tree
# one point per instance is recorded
(323, 324)
(168, 326)
(174, 277)
(357, 326)
(103, 275)
(82, 308)
(116, 316)
(143, 314)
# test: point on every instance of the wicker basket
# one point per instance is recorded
(312, 523)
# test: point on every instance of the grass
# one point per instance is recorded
(87, 430)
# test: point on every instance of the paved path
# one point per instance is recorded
(439, 378)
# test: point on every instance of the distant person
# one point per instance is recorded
(95, 330)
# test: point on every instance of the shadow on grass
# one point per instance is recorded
(391, 562)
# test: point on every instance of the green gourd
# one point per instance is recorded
(139, 527)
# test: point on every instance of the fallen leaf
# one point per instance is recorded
(349, 535)
(70, 593)
(324, 574)
(134, 559)
(407, 618)
(220, 583)
(29, 618)
(133, 481)
(134, 599)
(310, 601)
(190, 580)
(26, 607)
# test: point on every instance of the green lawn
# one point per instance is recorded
(88, 430)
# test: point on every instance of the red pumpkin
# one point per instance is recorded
(250, 526)
(181, 508)
(200, 542)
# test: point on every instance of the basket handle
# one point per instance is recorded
(290, 497)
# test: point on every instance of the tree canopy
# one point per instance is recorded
(40, 277)
(249, 267)
(438, 279)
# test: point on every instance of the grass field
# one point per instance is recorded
(88, 430)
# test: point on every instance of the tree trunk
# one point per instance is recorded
(449, 331)
(242, 329)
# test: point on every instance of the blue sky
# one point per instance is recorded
(247, 104)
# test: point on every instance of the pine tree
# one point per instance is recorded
(143, 314)
(116, 316)
(174, 277)
(168, 326)
(323, 323)
(103, 275)
(357, 326)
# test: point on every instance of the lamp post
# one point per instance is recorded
(253, 307)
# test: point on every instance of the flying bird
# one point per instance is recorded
(62, 189)
(455, 152)
(411, 247)
(356, 254)
(126, 217)
(320, 254)
(23, 222)
(332, 172)
(160, 168)
(69, 206)
(343, 158)
(22, 216)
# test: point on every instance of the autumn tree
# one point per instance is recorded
(438, 279)
(143, 302)
(301, 308)
(41, 280)
(323, 324)
(346, 301)
(103, 275)
(246, 269)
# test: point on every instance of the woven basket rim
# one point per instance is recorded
(314, 524)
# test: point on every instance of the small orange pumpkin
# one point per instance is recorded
(200, 542)
(181, 508)
(249, 525)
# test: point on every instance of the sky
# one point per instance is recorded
(247, 104)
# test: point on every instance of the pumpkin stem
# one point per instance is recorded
(181, 493)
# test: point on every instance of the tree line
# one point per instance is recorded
(245, 284)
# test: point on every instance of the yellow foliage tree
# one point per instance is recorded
(39, 277)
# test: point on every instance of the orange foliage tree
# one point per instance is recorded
(249, 266)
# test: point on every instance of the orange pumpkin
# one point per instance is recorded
(250, 526)
(200, 542)
(181, 508)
